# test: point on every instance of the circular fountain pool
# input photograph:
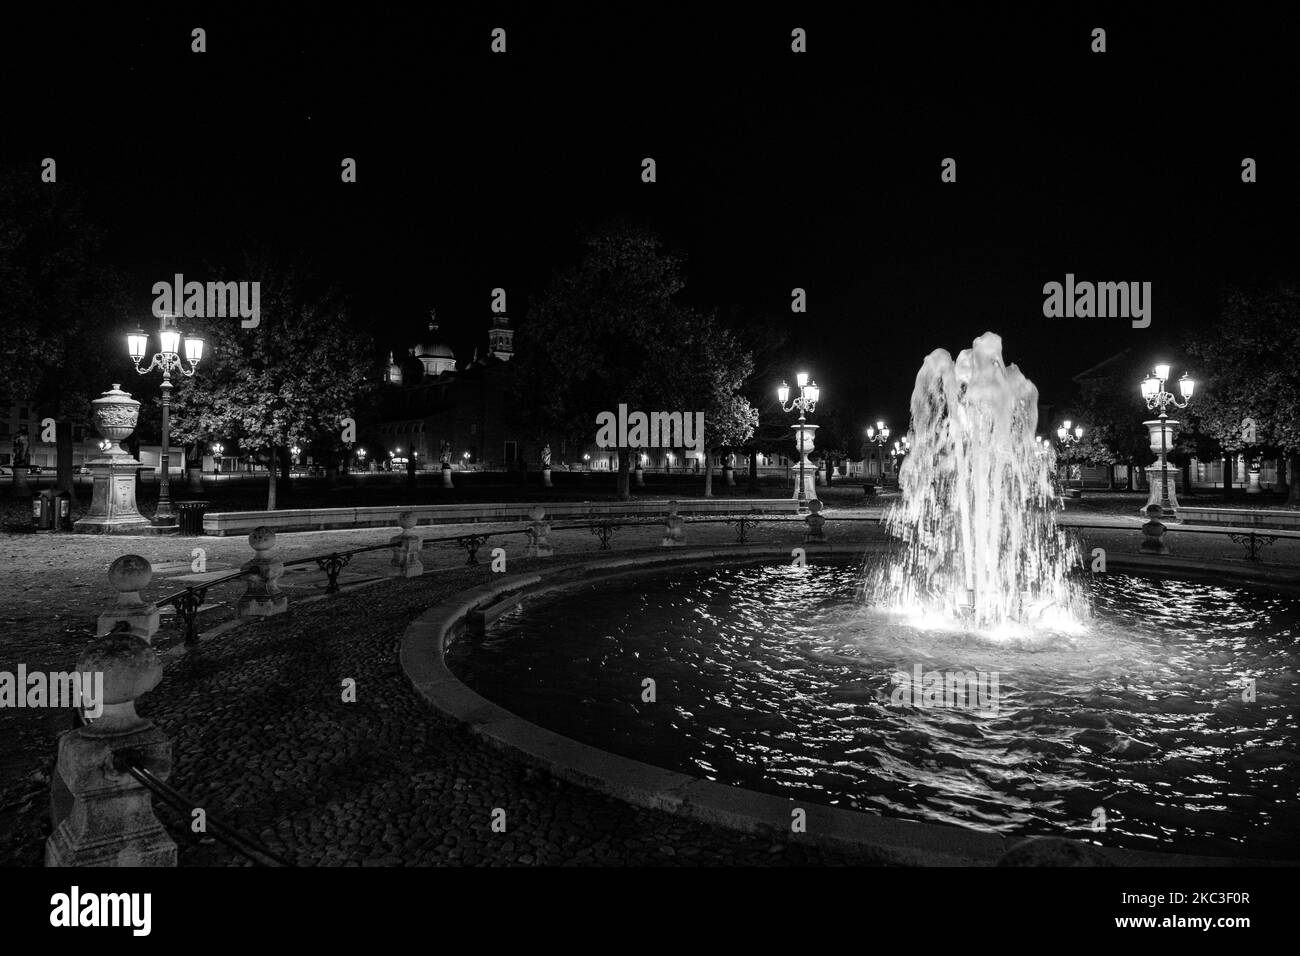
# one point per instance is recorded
(1170, 719)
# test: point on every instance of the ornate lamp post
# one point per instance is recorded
(217, 449)
(1153, 391)
(806, 401)
(1067, 436)
(361, 458)
(878, 435)
(295, 451)
(168, 359)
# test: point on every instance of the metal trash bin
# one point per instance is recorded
(52, 510)
(189, 515)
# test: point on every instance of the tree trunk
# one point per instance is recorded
(270, 483)
(1228, 464)
(1293, 470)
(753, 470)
(624, 478)
(1110, 476)
(708, 473)
(1282, 484)
(63, 458)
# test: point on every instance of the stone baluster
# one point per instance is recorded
(102, 816)
(262, 596)
(674, 528)
(539, 544)
(1153, 532)
(816, 522)
(407, 545)
(129, 575)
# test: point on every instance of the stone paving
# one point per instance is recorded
(264, 741)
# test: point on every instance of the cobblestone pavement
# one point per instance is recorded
(263, 740)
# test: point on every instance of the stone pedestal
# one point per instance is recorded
(729, 475)
(262, 597)
(803, 443)
(816, 522)
(102, 816)
(674, 528)
(407, 545)
(1163, 491)
(112, 502)
(446, 476)
(546, 476)
(1253, 488)
(1153, 532)
(539, 529)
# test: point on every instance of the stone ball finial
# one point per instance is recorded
(123, 668)
(537, 512)
(672, 507)
(261, 539)
(130, 573)
(1154, 511)
(815, 505)
(406, 520)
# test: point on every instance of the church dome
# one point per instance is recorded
(434, 349)
(433, 353)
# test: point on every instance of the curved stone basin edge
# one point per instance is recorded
(890, 841)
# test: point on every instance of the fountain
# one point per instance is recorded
(980, 685)
(977, 540)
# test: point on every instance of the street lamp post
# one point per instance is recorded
(806, 401)
(1157, 398)
(168, 359)
(878, 435)
(1067, 436)
(217, 449)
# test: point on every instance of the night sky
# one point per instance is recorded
(775, 170)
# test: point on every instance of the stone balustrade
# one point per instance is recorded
(406, 546)
(101, 815)
(262, 596)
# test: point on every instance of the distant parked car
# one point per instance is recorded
(84, 470)
(34, 470)
(5, 471)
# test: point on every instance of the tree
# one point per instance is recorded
(714, 367)
(291, 379)
(604, 332)
(1109, 407)
(61, 306)
(1249, 370)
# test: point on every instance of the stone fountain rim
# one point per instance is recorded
(422, 654)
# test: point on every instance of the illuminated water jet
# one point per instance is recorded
(977, 544)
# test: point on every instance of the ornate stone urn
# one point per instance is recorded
(112, 502)
(115, 414)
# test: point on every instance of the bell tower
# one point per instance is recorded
(501, 338)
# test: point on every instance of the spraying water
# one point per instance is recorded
(977, 540)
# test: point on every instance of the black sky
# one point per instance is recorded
(775, 170)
